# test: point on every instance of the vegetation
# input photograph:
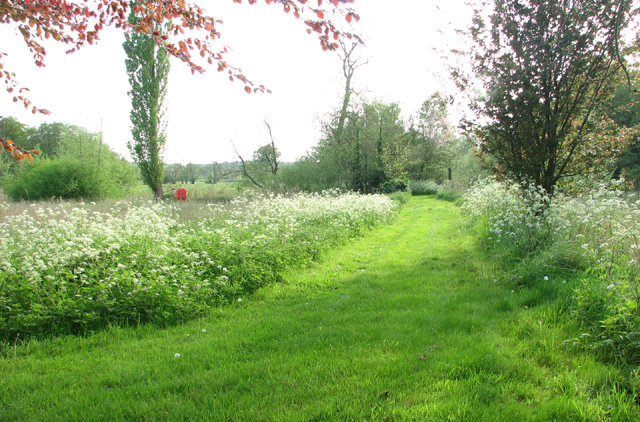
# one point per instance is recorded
(67, 269)
(374, 150)
(407, 323)
(523, 303)
(590, 238)
(546, 67)
(75, 164)
(148, 69)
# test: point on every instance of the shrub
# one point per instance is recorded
(596, 233)
(400, 197)
(65, 178)
(395, 185)
(451, 194)
(424, 187)
(514, 219)
(70, 178)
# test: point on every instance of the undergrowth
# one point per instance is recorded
(590, 242)
(66, 269)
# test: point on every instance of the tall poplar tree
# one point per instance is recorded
(148, 69)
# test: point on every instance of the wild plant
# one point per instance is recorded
(513, 219)
(605, 227)
(598, 232)
(68, 268)
(424, 187)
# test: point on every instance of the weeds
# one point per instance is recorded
(596, 234)
(68, 268)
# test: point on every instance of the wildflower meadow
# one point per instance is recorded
(592, 238)
(70, 268)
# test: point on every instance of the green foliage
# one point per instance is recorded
(451, 193)
(404, 324)
(395, 185)
(466, 167)
(65, 178)
(400, 197)
(12, 129)
(431, 140)
(423, 187)
(47, 137)
(69, 269)
(545, 68)
(624, 109)
(148, 69)
(547, 238)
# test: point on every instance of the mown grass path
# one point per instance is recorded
(405, 324)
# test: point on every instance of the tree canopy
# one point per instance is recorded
(545, 67)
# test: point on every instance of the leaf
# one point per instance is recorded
(348, 17)
(320, 14)
(248, 89)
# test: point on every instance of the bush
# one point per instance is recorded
(513, 219)
(65, 179)
(395, 185)
(400, 197)
(70, 178)
(423, 187)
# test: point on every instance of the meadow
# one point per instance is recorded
(72, 268)
(412, 321)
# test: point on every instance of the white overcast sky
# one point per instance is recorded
(206, 112)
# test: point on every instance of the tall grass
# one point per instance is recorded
(594, 234)
(76, 267)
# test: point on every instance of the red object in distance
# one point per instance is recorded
(181, 193)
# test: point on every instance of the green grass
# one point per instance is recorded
(199, 191)
(407, 323)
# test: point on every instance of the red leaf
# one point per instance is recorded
(248, 89)
(348, 17)
(320, 14)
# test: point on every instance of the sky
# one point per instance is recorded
(206, 113)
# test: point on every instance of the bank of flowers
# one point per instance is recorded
(593, 237)
(68, 269)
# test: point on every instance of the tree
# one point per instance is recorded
(624, 110)
(349, 65)
(545, 66)
(431, 138)
(262, 170)
(148, 70)
(82, 167)
(77, 24)
(172, 173)
(369, 147)
(46, 138)
(11, 128)
(268, 155)
(191, 172)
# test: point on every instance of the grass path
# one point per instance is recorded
(405, 324)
